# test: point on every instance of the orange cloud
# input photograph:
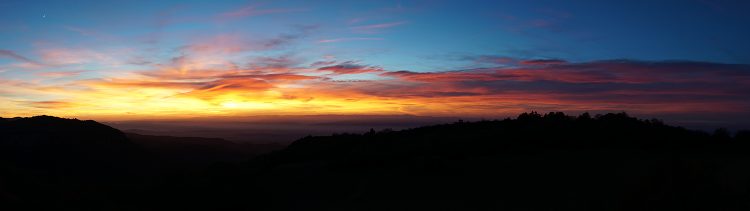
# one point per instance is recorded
(50, 104)
(277, 86)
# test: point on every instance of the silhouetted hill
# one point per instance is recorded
(530, 131)
(51, 161)
(534, 162)
(43, 140)
(44, 130)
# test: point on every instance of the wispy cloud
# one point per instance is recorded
(608, 71)
(91, 33)
(253, 10)
(71, 56)
(355, 20)
(228, 43)
(543, 62)
(322, 63)
(279, 62)
(350, 67)
(375, 28)
(15, 56)
(283, 84)
(50, 104)
(509, 61)
(346, 39)
(57, 74)
(299, 31)
(222, 44)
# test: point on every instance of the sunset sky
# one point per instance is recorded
(686, 59)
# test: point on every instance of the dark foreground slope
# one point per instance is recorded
(48, 161)
(534, 162)
(52, 163)
(192, 151)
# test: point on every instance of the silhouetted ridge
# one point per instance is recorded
(68, 144)
(533, 162)
(54, 129)
(59, 138)
(529, 131)
(48, 161)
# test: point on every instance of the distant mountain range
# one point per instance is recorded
(273, 129)
(533, 162)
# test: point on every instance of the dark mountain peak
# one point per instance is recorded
(58, 141)
(53, 129)
(42, 155)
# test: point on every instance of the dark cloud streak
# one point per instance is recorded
(15, 56)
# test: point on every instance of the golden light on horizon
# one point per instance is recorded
(348, 88)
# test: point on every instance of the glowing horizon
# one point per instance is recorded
(424, 58)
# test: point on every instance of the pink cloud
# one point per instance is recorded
(60, 74)
(50, 104)
(223, 43)
(69, 56)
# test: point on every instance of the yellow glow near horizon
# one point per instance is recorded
(129, 102)
(229, 105)
(173, 93)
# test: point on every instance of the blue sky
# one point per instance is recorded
(427, 35)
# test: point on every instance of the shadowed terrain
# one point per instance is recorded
(534, 162)
(273, 129)
(192, 150)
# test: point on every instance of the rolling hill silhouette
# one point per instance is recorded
(533, 162)
(49, 161)
(45, 141)
(550, 161)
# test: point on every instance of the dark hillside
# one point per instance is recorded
(534, 162)
(50, 162)
(197, 150)
(551, 161)
(44, 140)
